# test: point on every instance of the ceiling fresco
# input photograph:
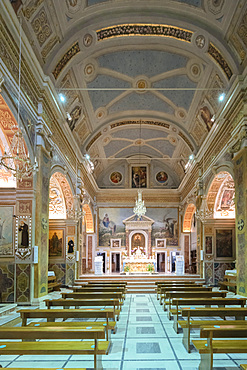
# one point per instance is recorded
(140, 80)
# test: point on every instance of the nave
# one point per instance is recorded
(144, 339)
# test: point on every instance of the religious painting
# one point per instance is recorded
(70, 244)
(227, 199)
(116, 177)
(209, 244)
(138, 244)
(161, 177)
(224, 243)
(6, 231)
(165, 225)
(23, 233)
(111, 225)
(139, 177)
(160, 243)
(56, 243)
(115, 243)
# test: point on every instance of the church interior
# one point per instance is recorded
(123, 158)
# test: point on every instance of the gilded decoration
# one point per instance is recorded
(242, 29)
(41, 27)
(93, 140)
(31, 8)
(190, 210)
(186, 140)
(49, 46)
(144, 30)
(152, 123)
(217, 56)
(75, 49)
(68, 196)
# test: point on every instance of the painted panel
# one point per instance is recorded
(6, 231)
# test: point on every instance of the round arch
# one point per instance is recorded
(190, 210)
(88, 218)
(220, 196)
(61, 197)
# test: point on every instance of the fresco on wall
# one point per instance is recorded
(165, 225)
(139, 177)
(111, 225)
(6, 231)
(116, 177)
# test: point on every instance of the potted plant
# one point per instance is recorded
(127, 270)
(150, 268)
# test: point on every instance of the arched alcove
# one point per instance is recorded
(88, 219)
(189, 213)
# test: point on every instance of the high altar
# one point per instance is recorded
(138, 243)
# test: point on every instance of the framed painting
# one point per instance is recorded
(115, 243)
(139, 177)
(224, 243)
(209, 244)
(56, 242)
(160, 243)
(116, 177)
(6, 231)
(70, 245)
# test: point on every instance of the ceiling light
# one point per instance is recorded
(87, 156)
(62, 98)
(222, 97)
(213, 118)
(69, 116)
(191, 157)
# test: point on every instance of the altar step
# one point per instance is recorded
(136, 284)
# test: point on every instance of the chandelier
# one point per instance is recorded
(204, 213)
(15, 159)
(139, 208)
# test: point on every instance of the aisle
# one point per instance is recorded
(144, 340)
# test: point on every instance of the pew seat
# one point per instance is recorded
(210, 346)
(58, 343)
(243, 367)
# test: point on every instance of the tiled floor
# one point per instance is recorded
(144, 340)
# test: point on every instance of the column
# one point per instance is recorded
(240, 171)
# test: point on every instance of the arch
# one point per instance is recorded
(61, 197)
(190, 210)
(8, 130)
(88, 218)
(145, 234)
(221, 195)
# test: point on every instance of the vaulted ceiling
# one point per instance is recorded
(141, 79)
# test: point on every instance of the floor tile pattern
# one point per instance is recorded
(144, 340)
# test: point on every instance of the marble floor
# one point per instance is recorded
(144, 340)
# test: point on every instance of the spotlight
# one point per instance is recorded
(191, 157)
(222, 97)
(62, 98)
(69, 116)
(213, 118)
(87, 156)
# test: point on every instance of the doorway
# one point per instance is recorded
(173, 260)
(161, 261)
(115, 262)
(103, 254)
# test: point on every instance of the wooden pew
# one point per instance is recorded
(164, 290)
(84, 302)
(209, 346)
(52, 347)
(53, 284)
(187, 324)
(53, 314)
(89, 288)
(94, 295)
(38, 368)
(118, 283)
(243, 367)
(214, 301)
(159, 286)
(229, 281)
(188, 294)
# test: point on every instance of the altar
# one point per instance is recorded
(138, 262)
(138, 265)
